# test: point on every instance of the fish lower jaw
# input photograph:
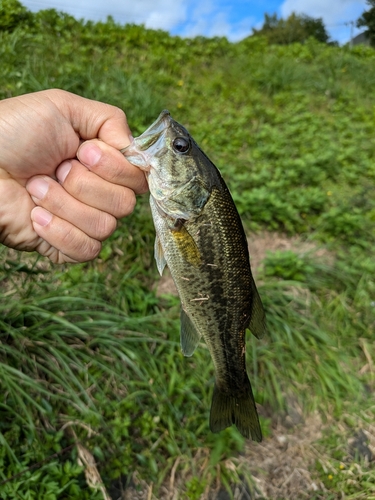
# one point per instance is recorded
(146, 163)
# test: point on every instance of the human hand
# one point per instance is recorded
(63, 180)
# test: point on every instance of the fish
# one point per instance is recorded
(201, 239)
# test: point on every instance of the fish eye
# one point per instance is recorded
(181, 145)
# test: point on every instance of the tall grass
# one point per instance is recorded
(74, 359)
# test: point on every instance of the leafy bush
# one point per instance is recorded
(287, 265)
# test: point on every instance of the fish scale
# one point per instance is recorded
(201, 239)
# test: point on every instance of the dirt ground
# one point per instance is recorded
(280, 467)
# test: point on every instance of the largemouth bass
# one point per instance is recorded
(199, 236)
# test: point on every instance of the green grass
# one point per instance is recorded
(92, 348)
(343, 460)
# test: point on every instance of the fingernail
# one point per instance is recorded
(63, 171)
(89, 154)
(41, 216)
(38, 188)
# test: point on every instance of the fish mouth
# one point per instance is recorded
(149, 144)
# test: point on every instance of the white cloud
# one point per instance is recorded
(163, 14)
(208, 19)
(186, 17)
(335, 13)
(329, 10)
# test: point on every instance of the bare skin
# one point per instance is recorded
(63, 181)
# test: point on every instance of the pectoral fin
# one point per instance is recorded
(186, 245)
(159, 256)
(189, 336)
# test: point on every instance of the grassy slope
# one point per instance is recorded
(91, 347)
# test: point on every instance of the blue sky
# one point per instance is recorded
(231, 18)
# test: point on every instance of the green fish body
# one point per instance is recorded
(200, 237)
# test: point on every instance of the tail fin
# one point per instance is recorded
(241, 411)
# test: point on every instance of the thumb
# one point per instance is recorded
(93, 119)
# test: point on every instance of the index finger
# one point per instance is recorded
(109, 164)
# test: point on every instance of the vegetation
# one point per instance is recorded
(295, 28)
(368, 19)
(89, 354)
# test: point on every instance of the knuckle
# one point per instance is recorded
(76, 182)
(143, 187)
(58, 205)
(78, 186)
(105, 226)
(118, 113)
(116, 171)
(78, 245)
(88, 249)
(69, 238)
(126, 204)
(92, 249)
